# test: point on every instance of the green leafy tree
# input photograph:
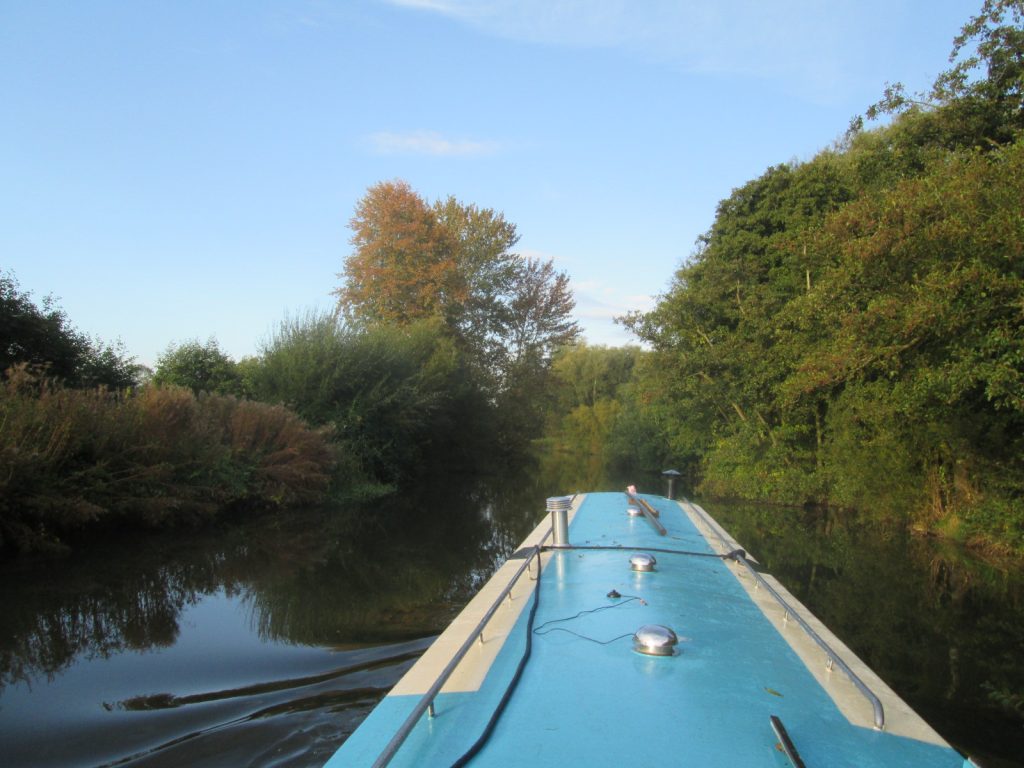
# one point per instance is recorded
(715, 335)
(915, 335)
(979, 101)
(487, 273)
(590, 385)
(198, 367)
(587, 374)
(44, 338)
(454, 263)
(849, 330)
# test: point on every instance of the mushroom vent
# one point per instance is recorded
(655, 640)
(642, 562)
(633, 511)
(559, 503)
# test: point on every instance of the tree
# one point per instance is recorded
(44, 337)
(394, 396)
(587, 374)
(199, 367)
(715, 333)
(455, 262)
(978, 101)
(402, 268)
(487, 272)
(539, 313)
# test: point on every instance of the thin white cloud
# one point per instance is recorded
(597, 308)
(428, 143)
(806, 41)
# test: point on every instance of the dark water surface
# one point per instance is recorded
(267, 642)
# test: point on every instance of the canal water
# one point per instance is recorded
(266, 642)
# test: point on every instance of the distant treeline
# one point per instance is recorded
(850, 330)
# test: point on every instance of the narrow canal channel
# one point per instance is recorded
(267, 642)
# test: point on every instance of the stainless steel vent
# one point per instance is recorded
(633, 511)
(642, 562)
(655, 640)
(558, 507)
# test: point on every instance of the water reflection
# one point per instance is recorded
(396, 571)
(297, 624)
(943, 628)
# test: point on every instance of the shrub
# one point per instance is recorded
(70, 459)
(398, 399)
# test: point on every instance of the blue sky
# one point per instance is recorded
(177, 170)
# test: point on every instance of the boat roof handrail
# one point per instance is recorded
(426, 702)
(833, 657)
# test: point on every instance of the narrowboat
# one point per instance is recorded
(632, 630)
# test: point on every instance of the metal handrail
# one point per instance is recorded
(648, 511)
(426, 703)
(833, 657)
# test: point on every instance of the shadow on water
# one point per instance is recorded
(266, 642)
(941, 627)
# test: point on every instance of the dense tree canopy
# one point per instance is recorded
(396, 398)
(403, 267)
(453, 263)
(850, 328)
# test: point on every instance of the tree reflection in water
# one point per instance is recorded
(385, 572)
(942, 627)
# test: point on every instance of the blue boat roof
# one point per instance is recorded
(586, 697)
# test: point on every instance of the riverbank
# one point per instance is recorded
(74, 459)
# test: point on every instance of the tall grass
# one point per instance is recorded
(72, 458)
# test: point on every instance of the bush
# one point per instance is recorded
(398, 399)
(71, 459)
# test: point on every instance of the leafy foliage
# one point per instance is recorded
(398, 398)
(75, 458)
(849, 331)
(601, 411)
(43, 337)
(402, 268)
(981, 97)
(453, 264)
(199, 367)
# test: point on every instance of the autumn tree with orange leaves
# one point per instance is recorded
(454, 262)
(403, 267)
